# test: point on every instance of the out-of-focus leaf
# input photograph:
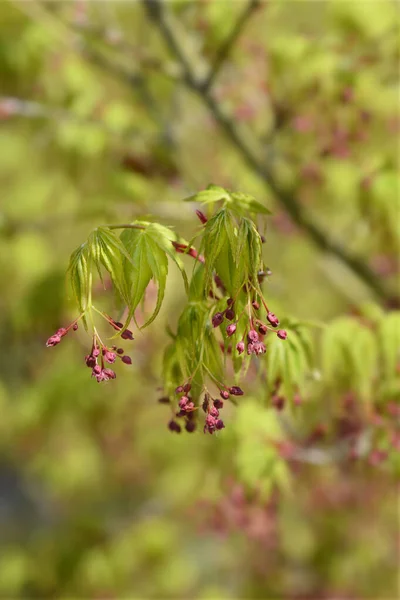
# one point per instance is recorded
(257, 431)
(389, 343)
(349, 356)
(289, 361)
(247, 204)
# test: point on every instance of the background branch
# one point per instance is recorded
(229, 43)
(157, 12)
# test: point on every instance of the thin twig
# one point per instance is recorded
(229, 43)
(125, 226)
(157, 12)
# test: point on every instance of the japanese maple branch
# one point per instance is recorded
(229, 43)
(157, 12)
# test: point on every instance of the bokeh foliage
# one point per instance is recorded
(99, 126)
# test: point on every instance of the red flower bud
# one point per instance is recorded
(230, 314)
(127, 335)
(127, 360)
(174, 426)
(53, 340)
(90, 361)
(217, 319)
(240, 347)
(190, 426)
(282, 334)
(278, 401)
(110, 357)
(235, 390)
(164, 400)
(109, 373)
(259, 348)
(273, 319)
(201, 216)
(230, 330)
(183, 402)
(252, 336)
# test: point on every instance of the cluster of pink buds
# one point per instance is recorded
(105, 355)
(254, 345)
(253, 340)
(228, 314)
(212, 407)
(60, 333)
(186, 410)
(100, 353)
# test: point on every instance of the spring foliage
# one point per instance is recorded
(227, 324)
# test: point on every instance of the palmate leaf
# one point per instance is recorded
(215, 241)
(212, 194)
(232, 249)
(163, 237)
(212, 355)
(107, 250)
(247, 204)
(196, 287)
(172, 369)
(79, 272)
(250, 253)
(138, 272)
(242, 204)
(148, 249)
(190, 340)
(158, 263)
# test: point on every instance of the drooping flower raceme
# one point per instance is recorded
(226, 313)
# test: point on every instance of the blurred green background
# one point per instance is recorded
(98, 125)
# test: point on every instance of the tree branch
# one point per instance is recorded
(229, 43)
(156, 11)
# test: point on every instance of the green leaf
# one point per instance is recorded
(163, 237)
(147, 250)
(212, 194)
(137, 270)
(214, 241)
(107, 250)
(79, 272)
(158, 263)
(248, 204)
